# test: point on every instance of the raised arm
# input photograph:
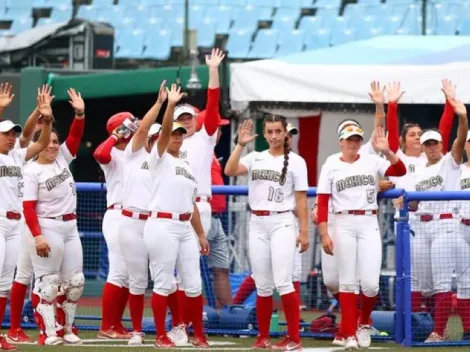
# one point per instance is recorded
(394, 93)
(378, 97)
(380, 143)
(211, 122)
(447, 119)
(174, 96)
(44, 107)
(6, 96)
(233, 167)
(459, 143)
(78, 124)
(141, 135)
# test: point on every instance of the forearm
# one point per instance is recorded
(214, 81)
(138, 141)
(392, 127)
(323, 229)
(196, 222)
(212, 119)
(28, 131)
(379, 120)
(445, 126)
(75, 135)
(233, 161)
(102, 154)
(323, 200)
(31, 217)
(391, 156)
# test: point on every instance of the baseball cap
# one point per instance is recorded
(292, 129)
(350, 131)
(154, 129)
(177, 126)
(183, 109)
(430, 136)
(346, 123)
(8, 125)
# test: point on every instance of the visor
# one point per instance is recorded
(183, 109)
(177, 126)
(154, 129)
(292, 129)
(346, 123)
(8, 125)
(351, 131)
(431, 136)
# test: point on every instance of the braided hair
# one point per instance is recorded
(282, 119)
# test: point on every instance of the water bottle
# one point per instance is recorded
(274, 326)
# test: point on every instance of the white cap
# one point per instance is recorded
(178, 126)
(292, 129)
(346, 123)
(468, 135)
(183, 109)
(8, 125)
(350, 131)
(154, 129)
(430, 136)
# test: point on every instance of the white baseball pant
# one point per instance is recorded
(420, 245)
(463, 264)
(272, 242)
(117, 274)
(131, 239)
(297, 270)
(358, 252)
(9, 250)
(24, 266)
(170, 244)
(329, 265)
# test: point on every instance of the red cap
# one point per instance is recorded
(116, 120)
(202, 115)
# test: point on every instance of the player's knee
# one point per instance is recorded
(331, 284)
(137, 289)
(193, 289)
(370, 289)
(350, 288)
(264, 291)
(47, 287)
(23, 277)
(73, 286)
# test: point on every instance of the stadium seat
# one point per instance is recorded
(153, 2)
(364, 26)
(18, 12)
(295, 4)
(285, 18)
(130, 45)
(58, 3)
(265, 44)
(222, 15)
(342, 37)
(379, 11)
(328, 3)
(137, 13)
(22, 3)
(60, 15)
(89, 13)
(196, 16)
(446, 26)
(206, 33)
(262, 3)
(307, 4)
(412, 19)
(246, 19)
(327, 15)
(240, 3)
(238, 44)
(464, 27)
(158, 46)
(352, 11)
(290, 42)
(318, 40)
(310, 24)
(391, 24)
(102, 3)
(20, 25)
(171, 11)
(284, 24)
(116, 16)
(153, 25)
(338, 31)
(177, 28)
(204, 2)
(369, 2)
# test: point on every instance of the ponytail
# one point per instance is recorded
(286, 161)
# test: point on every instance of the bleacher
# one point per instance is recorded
(249, 29)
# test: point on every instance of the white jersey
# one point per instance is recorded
(264, 172)
(11, 166)
(352, 186)
(441, 176)
(174, 187)
(51, 185)
(414, 166)
(198, 151)
(137, 183)
(465, 186)
(114, 174)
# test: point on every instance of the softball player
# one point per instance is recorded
(137, 187)
(357, 245)
(109, 156)
(168, 234)
(11, 164)
(439, 221)
(277, 187)
(49, 204)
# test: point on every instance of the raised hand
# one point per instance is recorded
(245, 135)
(174, 94)
(44, 105)
(215, 58)
(162, 94)
(46, 91)
(449, 89)
(6, 96)
(376, 93)
(459, 107)
(394, 92)
(380, 140)
(76, 101)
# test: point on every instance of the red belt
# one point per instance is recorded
(134, 215)
(268, 212)
(162, 215)
(466, 222)
(11, 215)
(65, 217)
(358, 212)
(203, 199)
(115, 206)
(430, 217)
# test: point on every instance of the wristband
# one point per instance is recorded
(243, 145)
(79, 114)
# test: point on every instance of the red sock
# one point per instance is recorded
(443, 309)
(35, 300)
(416, 301)
(17, 296)
(195, 307)
(3, 305)
(121, 306)
(290, 303)
(60, 314)
(185, 315)
(367, 306)
(109, 299)
(349, 313)
(246, 289)
(159, 304)
(340, 327)
(174, 305)
(297, 290)
(264, 310)
(136, 307)
(463, 307)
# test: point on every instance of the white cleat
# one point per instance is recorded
(72, 339)
(137, 339)
(434, 337)
(339, 341)
(351, 344)
(178, 335)
(54, 341)
(363, 336)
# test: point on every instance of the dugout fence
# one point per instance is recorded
(395, 318)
